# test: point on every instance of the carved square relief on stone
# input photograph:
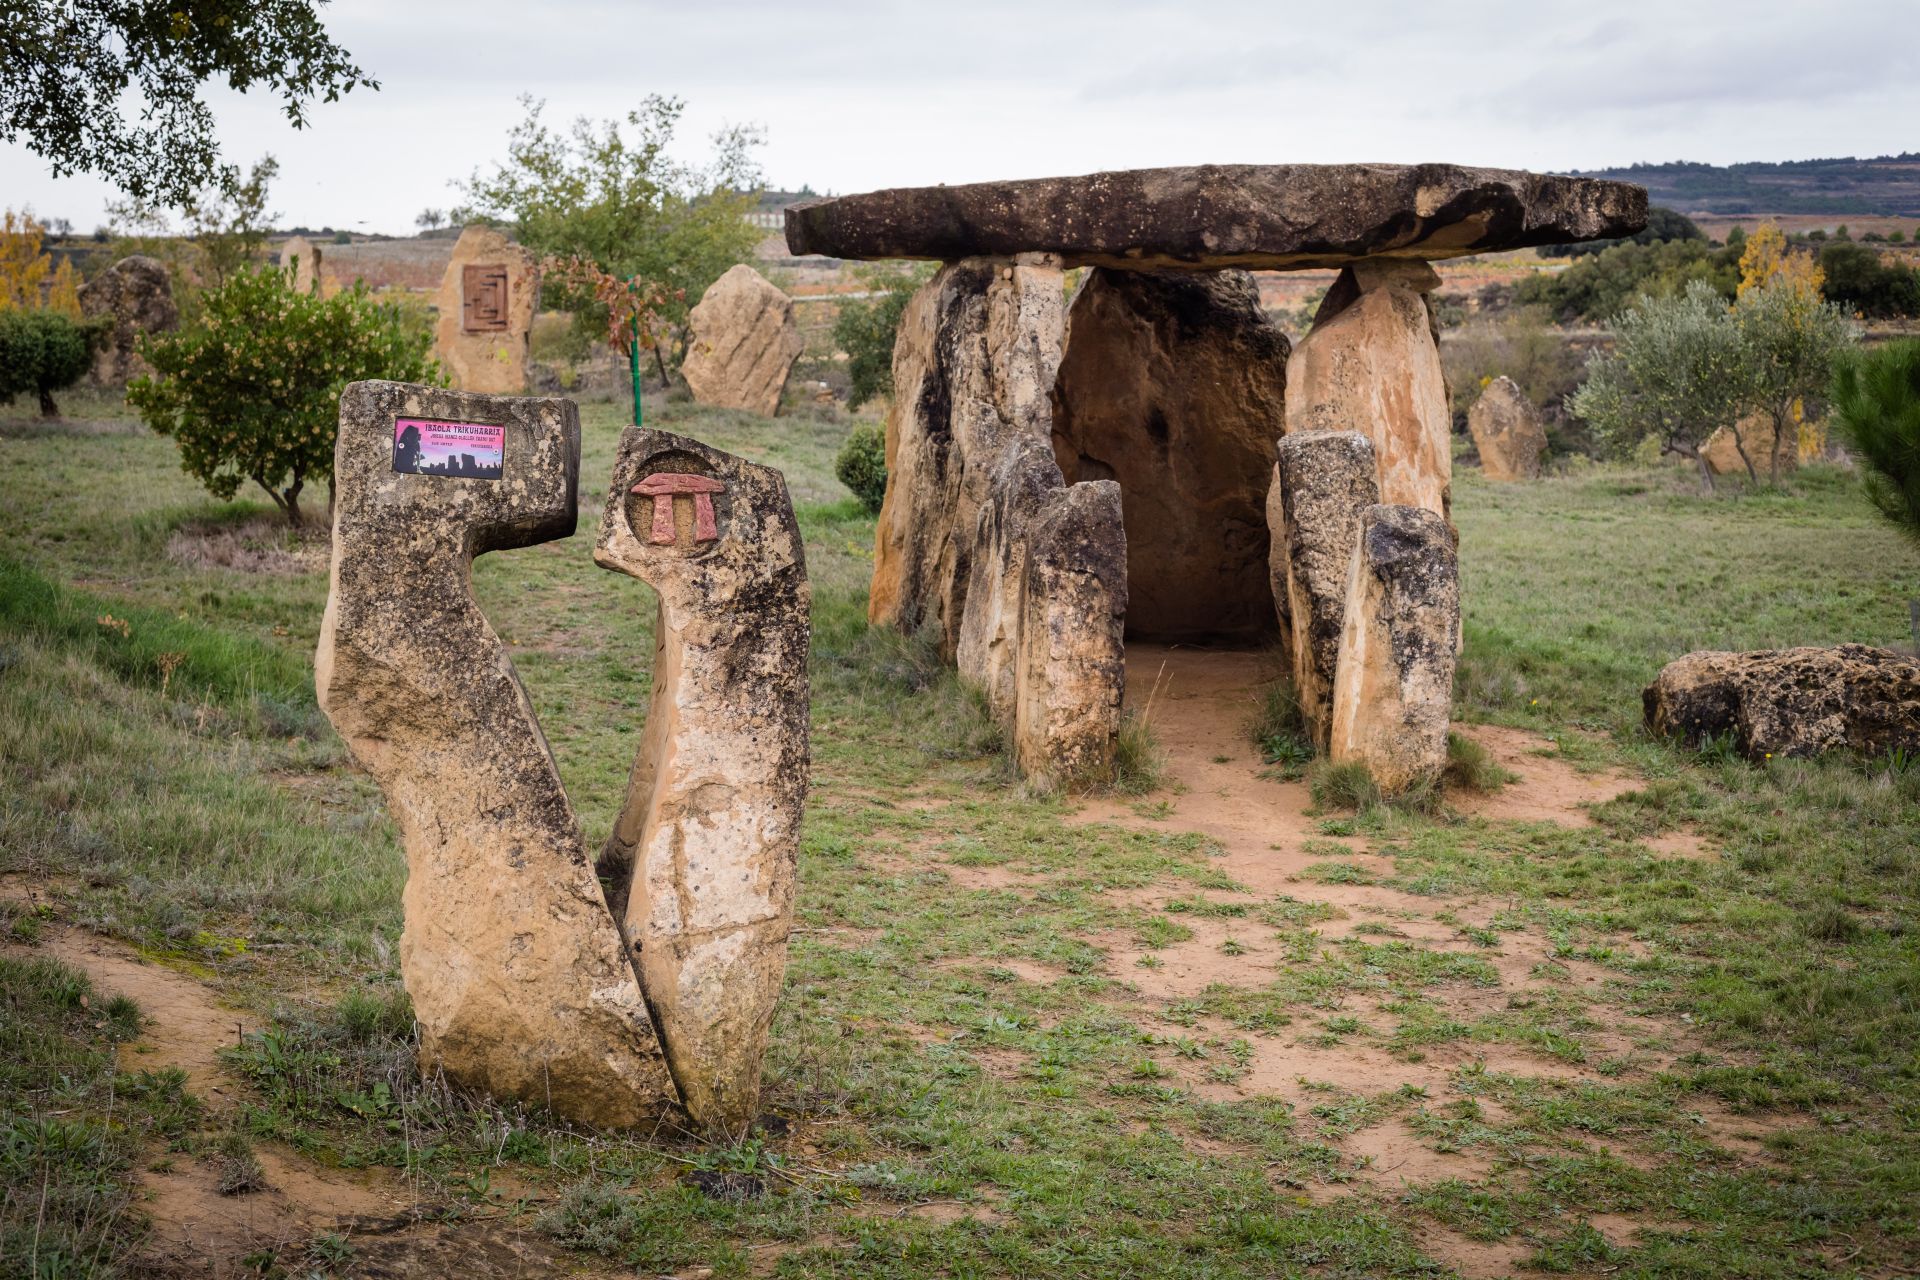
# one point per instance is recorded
(483, 298)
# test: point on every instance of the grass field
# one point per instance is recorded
(1610, 1052)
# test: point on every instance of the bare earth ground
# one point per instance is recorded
(1200, 703)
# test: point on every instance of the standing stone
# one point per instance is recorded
(973, 367)
(1370, 364)
(1507, 432)
(486, 304)
(134, 296)
(1174, 384)
(1072, 659)
(710, 828)
(742, 343)
(1393, 687)
(1755, 434)
(988, 647)
(1321, 484)
(517, 971)
(307, 260)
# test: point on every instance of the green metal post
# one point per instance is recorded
(633, 361)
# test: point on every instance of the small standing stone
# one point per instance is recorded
(486, 304)
(1506, 430)
(710, 829)
(1393, 691)
(135, 296)
(742, 343)
(1321, 483)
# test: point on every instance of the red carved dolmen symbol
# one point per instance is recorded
(662, 486)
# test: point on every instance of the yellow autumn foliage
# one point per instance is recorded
(1766, 260)
(23, 268)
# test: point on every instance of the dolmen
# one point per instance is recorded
(1151, 458)
(648, 999)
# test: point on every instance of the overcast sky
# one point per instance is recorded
(856, 94)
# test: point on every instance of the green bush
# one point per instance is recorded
(866, 327)
(251, 391)
(1876, 405)
(41, 352)
(862, 466)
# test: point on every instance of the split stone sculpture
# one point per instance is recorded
(524, 981)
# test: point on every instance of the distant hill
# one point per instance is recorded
(1887, 185)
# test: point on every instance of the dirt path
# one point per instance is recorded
(1201, 703)
(197, 1231)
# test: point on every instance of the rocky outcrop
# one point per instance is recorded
(517, 971)
(1507, 432)
(1321, 483)
(1790, 702)
(1174, 385)
(133, 297)
(1275, 217)
(1393, 687)
(709, 832)
(1754, 433)
(1370, 364)
(486, 304)
(742, 342)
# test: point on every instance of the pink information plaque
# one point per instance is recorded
(470, 450)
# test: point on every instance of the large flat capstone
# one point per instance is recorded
(1274, 217)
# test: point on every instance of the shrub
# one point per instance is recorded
(1876, 404)
(866, 327)
(41, 352)
(1857, 279)
(251, 390)
(862, 466)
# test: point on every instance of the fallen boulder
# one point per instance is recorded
(1790, 702)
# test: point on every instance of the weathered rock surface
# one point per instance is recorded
(1022, 576)
(973, 368)
(742, 343)
(1321, 483)
(135, 295)
(1174, 385)
(1755, 434)
(1072, 664)
(1506, 430)
(711, 825)
(485, 320)
(1393, 688)
(1790, 702)
(1372, 365)
(518, 975)
(1205, 216)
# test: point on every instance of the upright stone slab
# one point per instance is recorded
(742, 342)
(1393, 687)
(1321, 483)
(711, 823)
(973, 367)
(1371, 364)
(486, 304)
(1174, 385)
(988, 649)
(1072, 659)
(132, 297)
(517, 972)
(1507, 432)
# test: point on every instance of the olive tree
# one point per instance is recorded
(1789, 340)
(251, 390)
(1675, 374)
